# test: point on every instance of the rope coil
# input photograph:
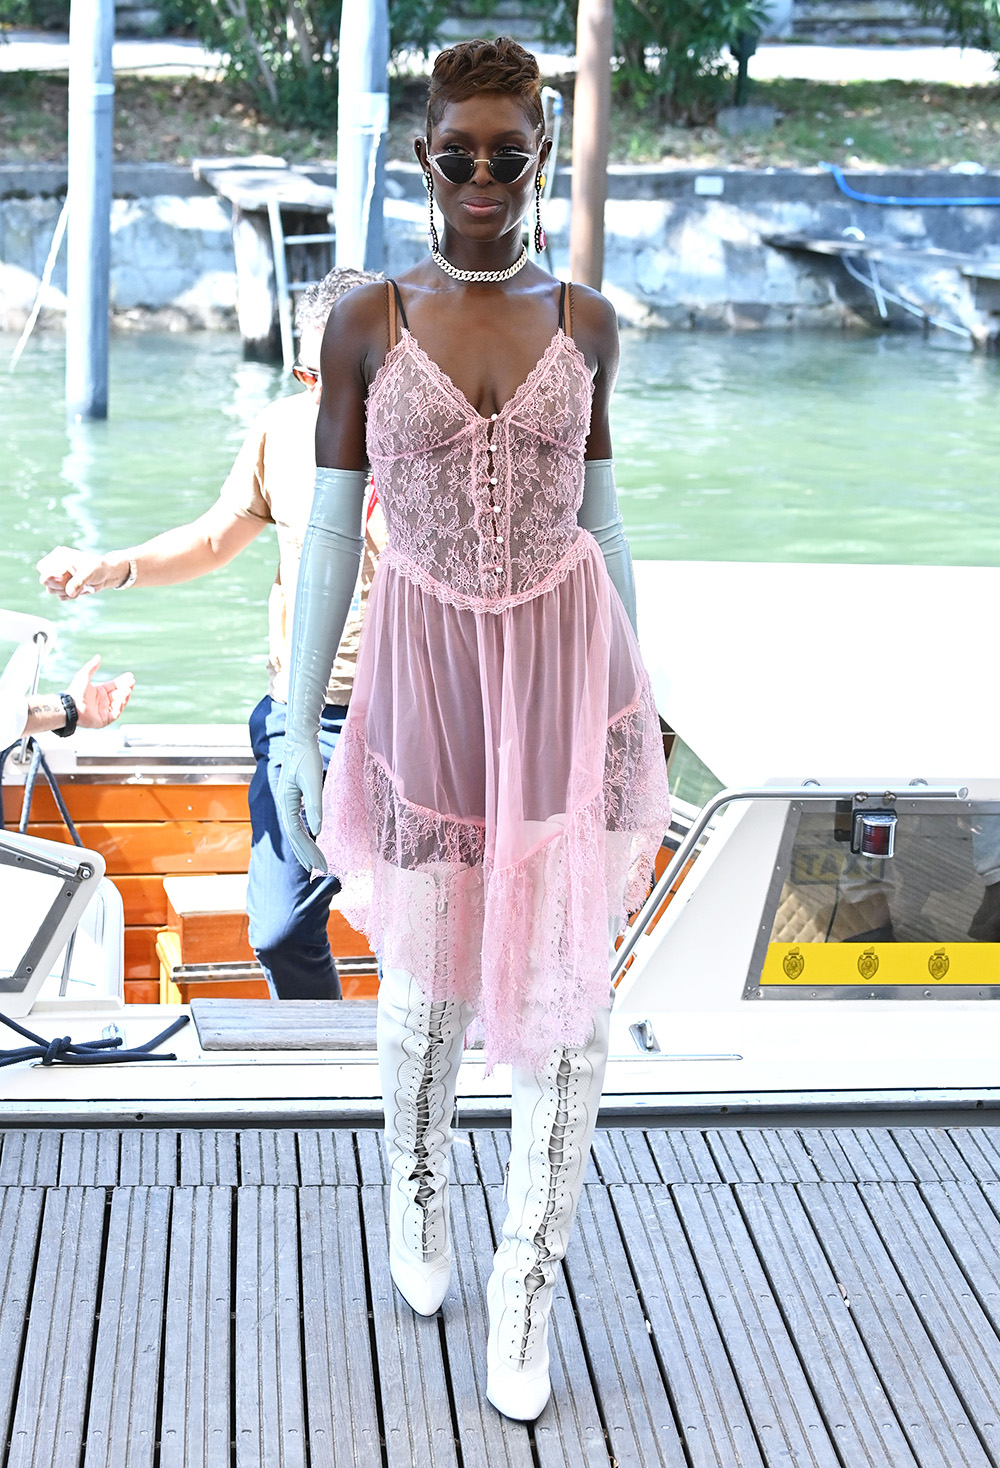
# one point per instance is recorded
(63, 1051)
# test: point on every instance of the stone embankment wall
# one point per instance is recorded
(171, 247)
(683, 248)
(857, 21)
(862, 22)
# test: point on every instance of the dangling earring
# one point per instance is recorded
(539, 231)
(432, 234)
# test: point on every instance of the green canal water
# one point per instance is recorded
(762, 448)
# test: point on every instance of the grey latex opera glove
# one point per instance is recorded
(598, 513)
(328, 574)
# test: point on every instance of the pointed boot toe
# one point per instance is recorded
(422, 1284)
(521, 1394)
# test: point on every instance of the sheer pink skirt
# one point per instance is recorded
(497, 797)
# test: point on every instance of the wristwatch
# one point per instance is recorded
(130, 578)
(72, 716)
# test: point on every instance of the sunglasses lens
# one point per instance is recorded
(457, 168)
(506, 168)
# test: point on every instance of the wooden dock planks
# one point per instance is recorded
(195, 1429)
(339, 1370)
(48, 1429)
(270, 1403)
(740, 1297)
(121, 1428)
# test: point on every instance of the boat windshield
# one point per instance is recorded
(29, 900)
(923, 922)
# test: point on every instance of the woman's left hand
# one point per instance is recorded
(300, 795)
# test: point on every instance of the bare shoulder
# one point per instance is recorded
(356, 331)
(595, 326)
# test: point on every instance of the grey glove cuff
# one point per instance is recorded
(328, 573)
(599, 514)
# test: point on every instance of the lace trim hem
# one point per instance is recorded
(577, 553)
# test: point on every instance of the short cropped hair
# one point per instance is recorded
(500, 66)
(316, 301)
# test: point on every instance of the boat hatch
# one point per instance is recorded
(921, 923)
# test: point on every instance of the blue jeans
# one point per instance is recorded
(287, 908)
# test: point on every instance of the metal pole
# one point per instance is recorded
(591, 114)
(88, 258)
(362, 118)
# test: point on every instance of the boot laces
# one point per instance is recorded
(423, 1172)
(536, 1279)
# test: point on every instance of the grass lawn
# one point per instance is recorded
(858, 124)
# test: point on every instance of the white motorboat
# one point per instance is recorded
(807, 946)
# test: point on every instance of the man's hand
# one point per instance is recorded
(99, 703)
(69, 573)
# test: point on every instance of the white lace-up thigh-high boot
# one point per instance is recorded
(419, 1052)
(553, 1114)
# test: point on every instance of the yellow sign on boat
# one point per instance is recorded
(934, 965)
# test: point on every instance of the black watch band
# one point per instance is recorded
(72, 716)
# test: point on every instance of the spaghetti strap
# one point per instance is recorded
(566, 308)
(396, 301)
(391, 315)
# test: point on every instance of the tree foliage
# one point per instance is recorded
(285, 51)
(969, 22)
(668, 56)
(43, 15)
(668, 53)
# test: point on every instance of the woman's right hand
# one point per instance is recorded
(300, 794)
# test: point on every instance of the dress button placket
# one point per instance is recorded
(494, 508)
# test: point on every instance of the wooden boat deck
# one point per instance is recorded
(740, 1297)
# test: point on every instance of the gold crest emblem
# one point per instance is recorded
(868, 964)
(938, 964)
(793, 963)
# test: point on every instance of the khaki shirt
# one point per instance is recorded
(272, 479)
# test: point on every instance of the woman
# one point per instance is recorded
(499, 791)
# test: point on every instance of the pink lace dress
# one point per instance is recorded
(499, 791)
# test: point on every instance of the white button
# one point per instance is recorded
(496, 509)
(493, 479)
(499, 536)
(493, 417)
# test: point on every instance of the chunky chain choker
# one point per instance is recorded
(478, 275)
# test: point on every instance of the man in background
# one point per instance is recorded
(270, 483)
(84, 705)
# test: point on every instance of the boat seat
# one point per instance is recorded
(287, 1024)
(208, 912)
